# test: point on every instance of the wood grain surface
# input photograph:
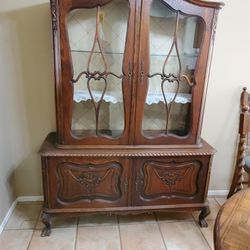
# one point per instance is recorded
(232, 226)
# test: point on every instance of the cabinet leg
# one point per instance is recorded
(46, 220)
(204, 213)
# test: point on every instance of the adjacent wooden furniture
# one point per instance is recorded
(232, 225)
(131, 79)
(243, 158)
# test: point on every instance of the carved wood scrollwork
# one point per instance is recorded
(162, 179)
(54, 15)
(171, 177)
(167, 78)
(89, 181)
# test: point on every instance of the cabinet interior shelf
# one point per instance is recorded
(185, 54)
(116, 97)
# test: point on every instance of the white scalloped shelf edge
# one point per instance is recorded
(114, 97)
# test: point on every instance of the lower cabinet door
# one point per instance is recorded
(170, 181)
(87, 183)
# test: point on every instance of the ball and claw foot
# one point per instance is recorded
(204, 213)
(46, 219)
(45, 232)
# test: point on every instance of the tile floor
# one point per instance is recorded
(160, 231)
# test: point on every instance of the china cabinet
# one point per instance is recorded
(130, 83)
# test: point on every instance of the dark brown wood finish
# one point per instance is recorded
(132, 173)
(118, 181)
(208, 16)
(170, 180)
(64, 74)
(243, 145)
(88, 182)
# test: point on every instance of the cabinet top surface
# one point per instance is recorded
(205, 3)
(50, 148)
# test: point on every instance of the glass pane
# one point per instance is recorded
(97, 39)
(175, 40)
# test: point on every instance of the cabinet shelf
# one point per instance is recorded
(188, 55)
(115, 97)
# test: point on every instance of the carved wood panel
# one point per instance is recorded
(89, 183)
(165, 181)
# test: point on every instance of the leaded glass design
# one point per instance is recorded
(97, 39)
(175, 40)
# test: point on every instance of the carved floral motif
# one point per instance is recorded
(172, 176)
(89, 180)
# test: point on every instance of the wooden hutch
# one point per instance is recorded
(130, 82)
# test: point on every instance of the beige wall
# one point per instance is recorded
(26, 96)
(27, 93)
(229, 73)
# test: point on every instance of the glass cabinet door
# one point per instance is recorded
(97, 38)
(174, 42)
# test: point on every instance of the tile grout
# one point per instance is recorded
(197, 225)
(157, 222)
(77, 224)
(204, 236)
(119, 231)
(119, 225)
(32, 235)
(34, 229)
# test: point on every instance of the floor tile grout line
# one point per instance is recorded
(77, 224)
(119, 231)
(33, 232)
(199, 228)
(217, 202)
(157, 222)
(34, 229)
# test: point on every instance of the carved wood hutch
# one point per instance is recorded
(130, 80)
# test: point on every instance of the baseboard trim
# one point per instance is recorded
(29, 198)
(218, 192)
(40, 198)
(7, 216)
